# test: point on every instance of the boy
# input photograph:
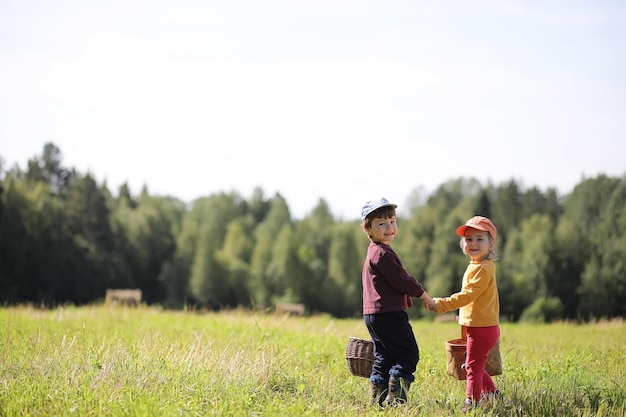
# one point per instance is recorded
(387, 292)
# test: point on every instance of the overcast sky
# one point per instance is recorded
(341, 100)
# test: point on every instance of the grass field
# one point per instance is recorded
(119, 361)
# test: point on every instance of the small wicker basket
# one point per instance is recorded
(360, 356)
(455, 358)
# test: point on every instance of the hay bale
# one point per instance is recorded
(126, 296)
(290, 308)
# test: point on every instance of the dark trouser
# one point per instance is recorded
(395, 349)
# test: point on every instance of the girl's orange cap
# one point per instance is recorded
(479, 223)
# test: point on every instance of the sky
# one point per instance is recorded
(344, 100)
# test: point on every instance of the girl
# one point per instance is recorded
(478, 304)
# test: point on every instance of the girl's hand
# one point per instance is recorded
(432, 304)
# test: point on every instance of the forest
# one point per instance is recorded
(65, 238)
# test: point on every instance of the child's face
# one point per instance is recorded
(476, 244)
(383, 230)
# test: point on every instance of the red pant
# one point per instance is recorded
(480, 340)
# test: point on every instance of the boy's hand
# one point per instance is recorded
(426, 300)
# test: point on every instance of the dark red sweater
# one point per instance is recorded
(387, 286)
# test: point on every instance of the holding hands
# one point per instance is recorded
(432, 305)
(429, 303)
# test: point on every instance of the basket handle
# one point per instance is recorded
(463, 332)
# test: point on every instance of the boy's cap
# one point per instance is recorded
(479, 223)
(372, 205)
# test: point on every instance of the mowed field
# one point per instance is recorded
(122, 361)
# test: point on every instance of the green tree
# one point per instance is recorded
(451, 193)
(603, 282)
(447, 262)
(234, 259)
(283, 268)
(49, 169)
(343, 290)
(53, 256)
(125, 198)
(88, 212)
(526, 272)
(263, 285)
(211, 216)
(414, 242)
(145, 231)
(17, 242)
(163, 217)
(536, 202)
(507, 198)
(569, 260)
(514, 287)
(315, 235)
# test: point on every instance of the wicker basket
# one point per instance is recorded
(360, 356)
(455, 355)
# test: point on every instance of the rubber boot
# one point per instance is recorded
(396, 393)
(379, 393)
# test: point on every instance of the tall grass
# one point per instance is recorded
(107, 361)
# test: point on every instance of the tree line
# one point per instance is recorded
(66, 238)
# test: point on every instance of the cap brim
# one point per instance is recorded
(373, 209)
(386, 205)
(460, 231)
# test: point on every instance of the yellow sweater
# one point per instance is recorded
(478, 301)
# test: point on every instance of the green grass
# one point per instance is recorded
(106, 361)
